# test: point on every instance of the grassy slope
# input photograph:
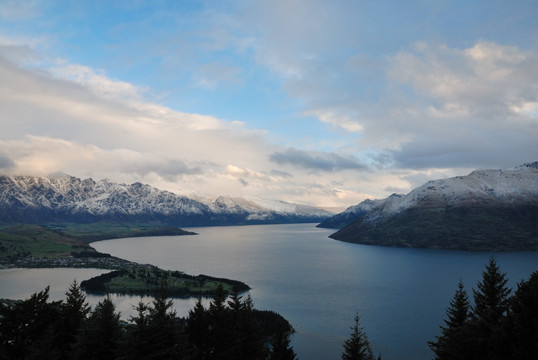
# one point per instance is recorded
(24, 240)
(59, 240)
(472, 229)
(104, 230)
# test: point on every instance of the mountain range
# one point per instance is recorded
(39, 200)
(487, 210)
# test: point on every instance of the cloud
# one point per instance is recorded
(473, 107)
(435, 106)
(6, 162)
(81, 122)
(313, 160)
(339, 77)
(77, 120)
(442, 101)
(483, 79)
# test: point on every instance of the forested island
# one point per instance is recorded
(146, 280)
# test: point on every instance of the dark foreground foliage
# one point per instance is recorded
(229, 329)
(498, 326)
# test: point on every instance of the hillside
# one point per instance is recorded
(487, 210)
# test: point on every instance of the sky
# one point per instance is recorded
(324, 103)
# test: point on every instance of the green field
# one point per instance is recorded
(62, 240)
(20, 241)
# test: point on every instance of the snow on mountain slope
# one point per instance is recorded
(71, 194)
(355, 212)
(487, 210)
(516, 185)
(65, 195)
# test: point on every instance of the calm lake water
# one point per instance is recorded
(317, 283)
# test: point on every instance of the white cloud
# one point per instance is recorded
(98, 82)
(76, 120)
(340, 120)
(479, 102)
(424, 110)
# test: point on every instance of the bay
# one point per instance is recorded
(317, 283)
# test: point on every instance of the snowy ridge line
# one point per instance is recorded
(71, 195)
(514, 186)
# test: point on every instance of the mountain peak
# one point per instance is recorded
(455, 209)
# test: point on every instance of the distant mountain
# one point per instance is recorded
(487, 210)
(25, 199)
(355, 212)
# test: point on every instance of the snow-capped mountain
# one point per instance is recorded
(67, 198)
(355, 212)
(257, 209)
(514, 186)
(460, 212)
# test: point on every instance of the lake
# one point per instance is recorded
(317, 283)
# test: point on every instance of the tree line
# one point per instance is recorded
(230, 328)
(495, 326)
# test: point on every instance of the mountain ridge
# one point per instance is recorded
(67, 198)
(486, 210)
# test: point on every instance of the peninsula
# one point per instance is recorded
(35, 246)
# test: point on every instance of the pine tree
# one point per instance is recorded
(163, 328)
(280, 346)
(75, 311)
(101, 335)
(523, 320)
(28, 328)
(357, 346)
(491, 298)
(491, 304)
(198, 330)
(136, 344)
(155, 333)
(219, 327)
(75, 305)
(452, 344)
(218, 304)
(247, 342)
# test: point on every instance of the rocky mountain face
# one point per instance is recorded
(25, 199)
(485, 210)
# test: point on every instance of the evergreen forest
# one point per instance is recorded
(495, 325)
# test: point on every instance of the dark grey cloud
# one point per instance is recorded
(6, 162)
(314, 160)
